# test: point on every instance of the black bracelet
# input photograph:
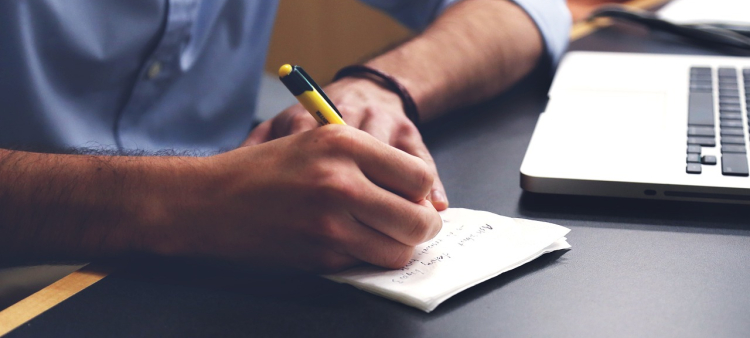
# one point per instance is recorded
(389, 82)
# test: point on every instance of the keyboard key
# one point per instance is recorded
(731, 132)
(733, 148)
(700, 71)
(701, 109)
(701, 88)
(708, 160)
(730, 107)
(729, 100)
(730, 116)
(732, 140)
(730, 111)
(705, 77)
(734, 165)
(704, 141)
(693, 158)
(731, 124)
(727, 71)
(693, 168)
(702, 81)
(729, 96)
(694, 149)
(701, 131)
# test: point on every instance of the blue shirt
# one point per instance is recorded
(158, 74)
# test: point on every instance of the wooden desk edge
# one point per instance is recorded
(43, 300)
(36, 304)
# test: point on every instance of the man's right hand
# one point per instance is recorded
(318, 201)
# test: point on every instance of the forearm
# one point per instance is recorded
(79, 207)
(475, 50)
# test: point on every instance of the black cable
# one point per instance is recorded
(714, 34)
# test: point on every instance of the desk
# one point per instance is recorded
(637, 268)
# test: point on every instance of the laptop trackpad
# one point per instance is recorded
(603, 131)
(636, 115)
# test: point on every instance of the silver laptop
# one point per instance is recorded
(644, 126)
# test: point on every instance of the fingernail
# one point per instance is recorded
(439, 200)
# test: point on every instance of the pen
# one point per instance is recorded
(310, 95)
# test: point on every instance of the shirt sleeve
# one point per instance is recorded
(551, 17)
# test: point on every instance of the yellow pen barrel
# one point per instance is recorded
(310, 95)
(324, 114)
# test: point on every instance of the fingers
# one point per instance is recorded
(378, 227)
(381, 128)
(353, 116)
(408, 139)
(371, 246)
(261, 133)
(407, 222)
(294, 120)
(384, 165)
(411, 142)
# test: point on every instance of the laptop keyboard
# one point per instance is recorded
(733, 138)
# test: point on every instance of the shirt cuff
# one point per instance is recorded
(552, 17)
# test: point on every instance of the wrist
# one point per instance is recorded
(169, 193)
(384, 81)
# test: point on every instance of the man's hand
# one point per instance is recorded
(321, 200)
(369, 107)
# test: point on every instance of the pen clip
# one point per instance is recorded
(317, 88)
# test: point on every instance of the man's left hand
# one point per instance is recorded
(365, 105)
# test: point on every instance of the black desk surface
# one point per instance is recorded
(637, 268)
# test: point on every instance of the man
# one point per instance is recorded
(141, 77)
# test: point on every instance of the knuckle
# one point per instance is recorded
(424, 175)
(422, 229)
(328, 231)
(338, 186)
(400, 257)
(435, 228)
(338, 139)
(349, 110)
(418, 232)
(298, 121)
(410, 131)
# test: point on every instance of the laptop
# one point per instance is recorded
(671, 127)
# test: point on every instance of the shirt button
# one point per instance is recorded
(154, 70)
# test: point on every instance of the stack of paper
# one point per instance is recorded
(472, 247)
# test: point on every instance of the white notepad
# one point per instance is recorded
(472, 247)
